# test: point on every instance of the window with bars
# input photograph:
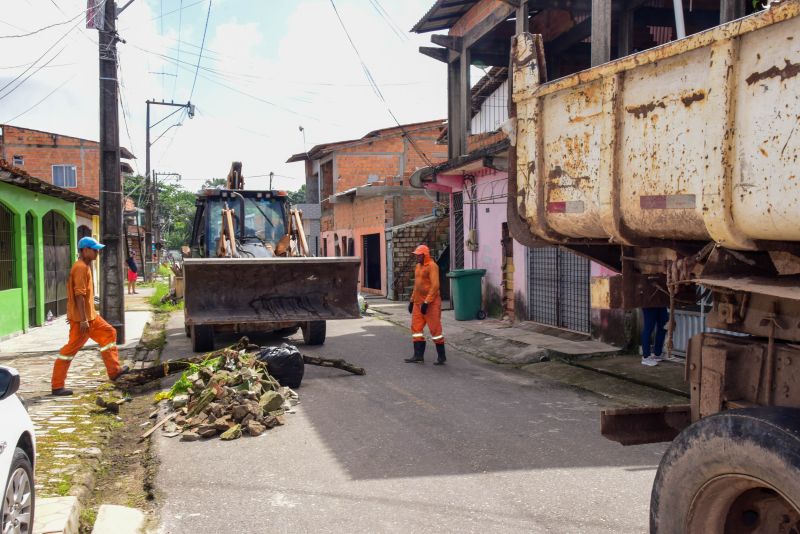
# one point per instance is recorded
(8, 261)
(18, 161)
(65, 176)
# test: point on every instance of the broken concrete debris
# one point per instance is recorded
(227, 396)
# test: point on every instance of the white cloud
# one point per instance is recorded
(314, 80)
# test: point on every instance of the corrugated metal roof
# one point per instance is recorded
(443, 15)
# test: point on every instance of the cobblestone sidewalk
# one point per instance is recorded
(69, 430)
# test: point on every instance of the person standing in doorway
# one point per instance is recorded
(84, 321)
(426, 307)
(655, 319)
(133, 273)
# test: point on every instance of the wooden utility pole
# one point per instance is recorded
(151, 188)
(112, 303)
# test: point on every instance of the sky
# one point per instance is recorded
(268, 67)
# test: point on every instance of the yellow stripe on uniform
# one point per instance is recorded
(65, 358)
(417, 335)
(109, 346)
(435, 338)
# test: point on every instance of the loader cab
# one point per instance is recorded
(259, 220)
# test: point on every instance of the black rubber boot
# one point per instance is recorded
(61, 392)
(419, 353)
(441, 358)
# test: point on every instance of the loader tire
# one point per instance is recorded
(287, 332)
(202, 338)
(314, 332)
(735, 471)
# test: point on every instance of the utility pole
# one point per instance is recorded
(151, 190)
(112, 304)
(156, 206)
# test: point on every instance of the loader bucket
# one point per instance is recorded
(238, 290)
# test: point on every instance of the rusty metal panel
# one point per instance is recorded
(698, 139)
(233, 290)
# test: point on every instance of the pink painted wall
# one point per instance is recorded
(358, 244)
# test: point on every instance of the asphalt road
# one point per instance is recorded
(467, 447)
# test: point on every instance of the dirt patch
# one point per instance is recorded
(126, 473)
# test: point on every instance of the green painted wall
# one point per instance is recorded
(20, 202)
(11, 320)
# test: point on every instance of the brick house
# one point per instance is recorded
(528, 280)
(362, 187)
(67, 162)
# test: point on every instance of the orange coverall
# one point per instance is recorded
(426, 289)
(80, 283)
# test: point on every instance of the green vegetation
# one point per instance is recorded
(175, 204)
(183, 384)
(162, 289)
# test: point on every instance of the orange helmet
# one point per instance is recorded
(422, 250)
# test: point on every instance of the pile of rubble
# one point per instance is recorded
(228, 395)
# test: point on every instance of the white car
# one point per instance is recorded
(17, 455)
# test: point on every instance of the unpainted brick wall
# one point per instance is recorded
(434, 233)
(41, 150)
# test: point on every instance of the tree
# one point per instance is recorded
(299, 196)
(176, 207)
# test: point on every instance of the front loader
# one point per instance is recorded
(248, 269)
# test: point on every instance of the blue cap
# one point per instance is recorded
(89, 242)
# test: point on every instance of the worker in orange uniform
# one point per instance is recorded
(84, 321)
(426, 307)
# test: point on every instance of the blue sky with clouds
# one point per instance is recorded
(268, 67)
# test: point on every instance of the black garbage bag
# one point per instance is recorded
(285, 363)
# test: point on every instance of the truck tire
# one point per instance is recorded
(735, 471)
(314, 332)
(20, 493)
(202, 338)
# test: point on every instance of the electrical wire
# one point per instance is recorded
(50, 48)
(390, 19)
(388, 23)
(65, 82)
(200, 57)
(43, 28)
(180, 23)
(377, 89)
(125, 112)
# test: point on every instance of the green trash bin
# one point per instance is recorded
(467, 293)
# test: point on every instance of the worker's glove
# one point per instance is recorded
(410, 307)
(424, 308)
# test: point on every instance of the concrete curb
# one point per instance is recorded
(547, 355)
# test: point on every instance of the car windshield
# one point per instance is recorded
(263, 219)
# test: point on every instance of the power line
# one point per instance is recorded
(43, 28)
(390, 19)
(200, 57)
(385, 19)
(180, 23)
(377, 89)
(125, 112)
(51, 47)
(65, 82)
(28, 76)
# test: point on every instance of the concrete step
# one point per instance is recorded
(57, 515)
(114, 519)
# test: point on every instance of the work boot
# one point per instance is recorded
(61, 392)
(419, 353)
(441, 358)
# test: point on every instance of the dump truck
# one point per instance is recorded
(248, 269)
(679, 167)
